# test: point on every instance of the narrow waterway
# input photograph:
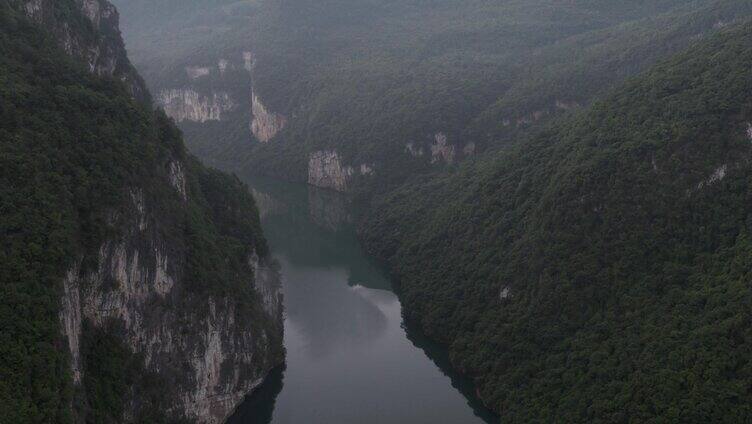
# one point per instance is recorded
(350, 358)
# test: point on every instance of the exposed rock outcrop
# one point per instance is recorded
(325, 170)
(177, 179)
(717, 175)
(222, 65)
(196, 72)
(248, 61)
(442, 150)
(505, 293)
(413, 150)
(203, 347)
(533, 117)
(186, 104)
(99, 46)
(209, 348)
(366, 169)
(199, 345)
(265, 124)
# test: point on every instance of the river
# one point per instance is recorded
(350, 358)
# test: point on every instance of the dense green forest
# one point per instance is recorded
(591, 262)
(597, 271)
(71, 145)
(366, 78)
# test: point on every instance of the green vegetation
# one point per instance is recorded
(221, 234)
(594, 263)
(368, 77)
(599, 270)
(71, 145)
(113, 370)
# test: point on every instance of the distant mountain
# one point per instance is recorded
(135, 284)
(362, 95)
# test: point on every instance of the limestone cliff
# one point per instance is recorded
(265, 124)
(211, 92)
(203, 347)
(442, 150)
(188, 105)
(326, 170)
(202, 332)
(99, 45)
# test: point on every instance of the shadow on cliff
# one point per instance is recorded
(258, 407)
(439, 355)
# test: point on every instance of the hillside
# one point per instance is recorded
(136, 284)
(561, 189)
(597, 271)
(362, 95)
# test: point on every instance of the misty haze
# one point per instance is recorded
(375, 211)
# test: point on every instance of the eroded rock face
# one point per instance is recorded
(558, 105)
(177, 179)
(222, 65)
(101, 49)
(209, 350)
(196, 72)
(201, 346)
(413, 150)
(265, 124)
(505, 293)
(717, 175)
(185, 104)
(248, 61)
(325, 170)
(441, 150)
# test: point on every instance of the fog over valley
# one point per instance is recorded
(375, 211)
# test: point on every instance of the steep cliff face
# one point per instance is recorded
(326, 170)
(205, 93)
(164, 294)
(441, 150)
(204, 347)
(265, 124)
(97, 43)
(188, 105)
(213, 92)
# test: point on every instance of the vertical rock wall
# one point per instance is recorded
(265, 124)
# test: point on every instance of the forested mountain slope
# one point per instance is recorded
(361, 95)
(598, 271)
(135, 284)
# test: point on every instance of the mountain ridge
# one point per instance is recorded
(137, 284)
(597, 270)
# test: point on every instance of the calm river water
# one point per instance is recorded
(350, 358)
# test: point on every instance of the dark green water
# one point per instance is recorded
(350, 358)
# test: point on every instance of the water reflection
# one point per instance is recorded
(259, 407)
(439, 355)
(328, 209)
(349, 359)
(326, 316)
